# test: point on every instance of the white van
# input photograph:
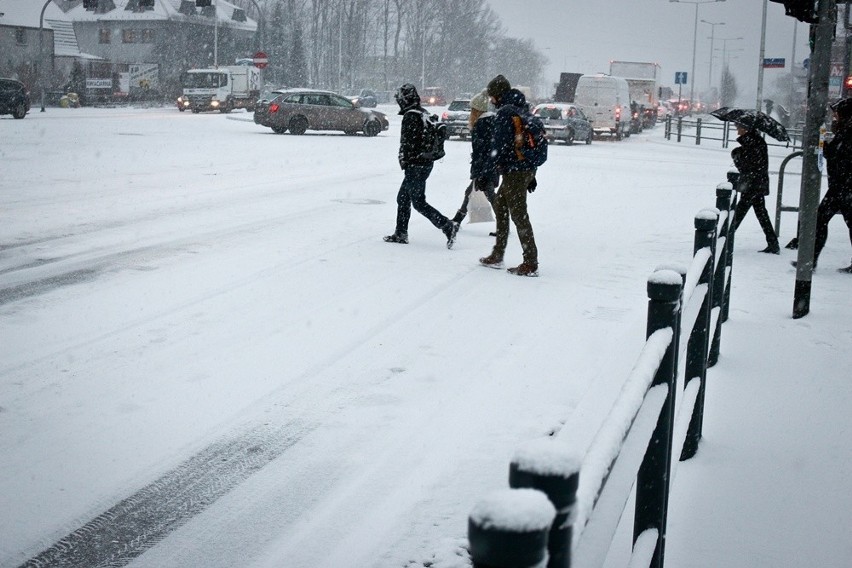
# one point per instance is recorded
(606, 101)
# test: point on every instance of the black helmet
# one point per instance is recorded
(406, 96)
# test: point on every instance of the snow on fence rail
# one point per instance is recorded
(649, 427)
(702, 130)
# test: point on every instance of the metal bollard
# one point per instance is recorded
(653, 479)
(723, 203)
(699, 337)
(546, 466)
(509, 528)
(679, 127)
(698, 132)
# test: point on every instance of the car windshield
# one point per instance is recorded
(459, 105)
(552, 113)
(204, 80)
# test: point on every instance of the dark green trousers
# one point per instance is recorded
(511, 201)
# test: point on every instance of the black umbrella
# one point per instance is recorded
(751, 118)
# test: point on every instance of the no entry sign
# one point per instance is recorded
(260, 60)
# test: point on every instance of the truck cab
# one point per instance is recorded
(222, 89)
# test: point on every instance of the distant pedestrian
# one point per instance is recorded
(417, 167)
(838, 198)
(752, 160)
(483, 166)
(518, 177)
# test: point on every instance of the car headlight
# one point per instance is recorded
(214, 103)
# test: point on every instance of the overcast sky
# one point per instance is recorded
(583, 36)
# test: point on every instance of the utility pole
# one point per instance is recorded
(811, 176)
(759, 104)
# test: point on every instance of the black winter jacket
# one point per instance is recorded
(411, 137)
(838, 155)
(752, 160)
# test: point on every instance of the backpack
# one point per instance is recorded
(434, 135)
(530, 138)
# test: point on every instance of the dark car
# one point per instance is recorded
(433, 96)
(298, 110)
(456, 118)
(565, 122)
(366, 98)
(14, 98)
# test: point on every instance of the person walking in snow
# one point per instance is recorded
(412, 192)
(483, 168)
(838, 198)
(752, 160)
(518, 177)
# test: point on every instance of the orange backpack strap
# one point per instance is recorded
(519, 136)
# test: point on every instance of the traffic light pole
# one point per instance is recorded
(811, 175)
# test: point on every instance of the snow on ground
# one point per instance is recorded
(174, 287)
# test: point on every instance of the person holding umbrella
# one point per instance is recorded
(752, 160)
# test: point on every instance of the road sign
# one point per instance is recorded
(260, 60)
(680, 78)
(773, 63)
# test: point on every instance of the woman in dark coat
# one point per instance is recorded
(752, 160)
(838, 198)
(483, 167)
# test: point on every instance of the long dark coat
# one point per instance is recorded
(752, 160)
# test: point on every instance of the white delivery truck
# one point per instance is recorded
(606, 101)
(643, 79)
(222, 88)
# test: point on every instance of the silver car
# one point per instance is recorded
(565, 122)
(299, 110)
(456, 118)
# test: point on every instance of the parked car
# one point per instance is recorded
(433, 96)
(366, 98)
(299, 110)
(564, 121)
(14, 98)
(456, 118)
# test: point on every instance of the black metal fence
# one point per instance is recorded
(701, 129)
(656, 419)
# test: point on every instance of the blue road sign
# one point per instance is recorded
(680, 77)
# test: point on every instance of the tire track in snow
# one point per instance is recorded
(117, 536)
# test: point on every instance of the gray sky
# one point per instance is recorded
(583, 36)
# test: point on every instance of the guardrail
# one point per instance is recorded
(701, 129)
(564, 503)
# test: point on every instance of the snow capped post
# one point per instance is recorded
(652, 481)
(548, 466)
(721, 280)
(508, 529)
(698, 343)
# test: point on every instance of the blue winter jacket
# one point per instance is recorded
(482, 162)
(512, 103)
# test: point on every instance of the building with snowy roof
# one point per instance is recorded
(124, 47)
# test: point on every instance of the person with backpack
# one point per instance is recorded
(519, 147)
(418, 149)
(483, 169)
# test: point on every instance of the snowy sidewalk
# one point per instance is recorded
(770, 485)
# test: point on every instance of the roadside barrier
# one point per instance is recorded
(656, 419)
(700, 130)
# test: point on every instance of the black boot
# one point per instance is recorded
(772, 249)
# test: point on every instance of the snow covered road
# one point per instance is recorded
(179, 288)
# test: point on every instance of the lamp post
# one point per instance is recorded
(759, 103)
(712, 36)
(41, 51)
(697, 3)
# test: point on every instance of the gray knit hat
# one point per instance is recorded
(479, 102)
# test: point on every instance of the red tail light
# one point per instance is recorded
(274, 107)
(618, 114)
(444, 116)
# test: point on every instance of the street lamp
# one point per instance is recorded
(725, 41)
(712, 36)
(694, 40)
(41, 51)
